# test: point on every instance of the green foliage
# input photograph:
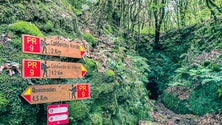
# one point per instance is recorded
(204, 99)
(125, 118)
(25, 28)
(145, 30)
(215, 67)
(219, 92)
(97, 119)
(123, 92)
(90, 39)
(78, 12)
(220, 45)
(162, 67)
(102, 84)
(60, 13)
(3, 103)
(77, 111)
(110, 73)
(17, 110)
(91, 66)
(198, 67)
(66, 3)
(77, 6)
(138, 70)
(148, 30)
(108, 29)
(203, 75)
(48, 26)
(90, 62)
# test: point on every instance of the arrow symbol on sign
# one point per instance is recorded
(83, 70)
(82, 51)
(27, 95)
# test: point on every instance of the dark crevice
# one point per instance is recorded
(152, 87)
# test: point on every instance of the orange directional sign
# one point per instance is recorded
(56, 93)
(53, 46)
(52, 69)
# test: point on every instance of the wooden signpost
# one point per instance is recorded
(52, 69)
(56, 93)
(53, 46)
(37, 94)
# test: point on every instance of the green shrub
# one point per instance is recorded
(110, 73)
(26, 28)
(97, 119)
(48, 26)
(215, 67)
(108, 29)
(219, 91)
(109, 76)
(90, 39)
(77, 110)
(91, 66)
(3, 102)
(220, 45)
(78, 11)
(204, 99)
(17, 110)
(90, 62)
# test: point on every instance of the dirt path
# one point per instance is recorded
(164, 116)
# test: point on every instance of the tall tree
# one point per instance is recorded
(159, 12)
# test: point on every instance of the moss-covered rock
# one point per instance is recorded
(175, 104)
(25, 28)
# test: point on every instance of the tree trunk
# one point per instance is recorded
(158, 17)
(157, 37)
